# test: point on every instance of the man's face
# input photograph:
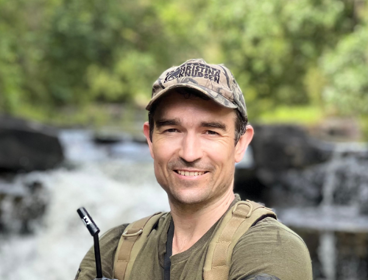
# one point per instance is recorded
(193, 149)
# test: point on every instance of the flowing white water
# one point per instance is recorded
(342, 210)
(113, 191)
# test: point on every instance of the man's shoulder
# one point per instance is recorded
(270, 231)
(269, 226)
(271, 247)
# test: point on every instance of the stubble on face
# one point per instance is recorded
(216, 157)
(188, 193)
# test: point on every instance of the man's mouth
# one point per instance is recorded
(190, 173)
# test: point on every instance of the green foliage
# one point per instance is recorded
(60, 56)
(295, 114)
(95, 46)
(364, 126)
(22, 47)
(272, 45)
(347, 72)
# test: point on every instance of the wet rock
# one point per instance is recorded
(281, 155)
(281, 147)
(301, 188)
(341, 181)
(106, 137)
(27, 146)
(32, 207)
(22, 206)
(338, 129)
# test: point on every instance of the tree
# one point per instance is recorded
(346, 71)
(272, 45)
(64, 53)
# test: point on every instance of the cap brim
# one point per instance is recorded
(218, 98)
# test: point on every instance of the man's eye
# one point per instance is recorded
(211, 132)
(171, 130)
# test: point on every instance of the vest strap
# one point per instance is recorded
(235, 223)
(130, 244)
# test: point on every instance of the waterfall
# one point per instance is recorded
(113, 190)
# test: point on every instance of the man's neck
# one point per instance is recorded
(192, 223)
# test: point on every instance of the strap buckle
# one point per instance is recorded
(245, 203)
(126, 234)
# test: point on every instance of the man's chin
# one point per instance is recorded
(188, 198)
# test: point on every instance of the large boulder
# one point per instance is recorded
(27, 146)
(291, 168)
(281, 146)
(280, 151)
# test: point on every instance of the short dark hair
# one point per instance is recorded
(240, 123)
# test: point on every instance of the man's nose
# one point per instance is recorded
(191, 149)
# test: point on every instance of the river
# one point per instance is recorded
(116, 185)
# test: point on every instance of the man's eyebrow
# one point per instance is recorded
(218, 125)
(165, 122)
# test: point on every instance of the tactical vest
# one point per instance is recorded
(234, 224)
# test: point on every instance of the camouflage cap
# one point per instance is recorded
(213, 80)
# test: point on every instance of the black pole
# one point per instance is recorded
(97, 256)
(93, 230)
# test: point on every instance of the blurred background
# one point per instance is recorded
(75, 77)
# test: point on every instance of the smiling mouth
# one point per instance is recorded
(190, 173)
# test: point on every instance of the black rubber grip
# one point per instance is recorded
(88, 222)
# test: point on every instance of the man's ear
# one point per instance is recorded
(243, 143)
(146, 132)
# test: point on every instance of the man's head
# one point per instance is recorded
(196, 112)
(240, 121)
(208, 81)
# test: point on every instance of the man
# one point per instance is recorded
(197, 131)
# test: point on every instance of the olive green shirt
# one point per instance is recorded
(267, 248)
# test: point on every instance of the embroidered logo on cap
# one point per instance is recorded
(194, 70)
